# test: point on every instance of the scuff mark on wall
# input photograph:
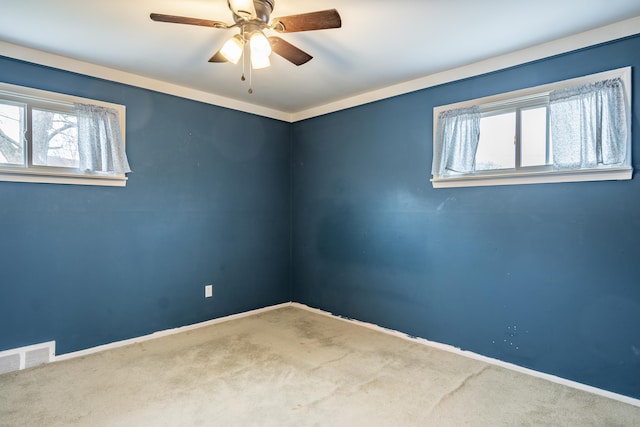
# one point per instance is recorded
(448, 200)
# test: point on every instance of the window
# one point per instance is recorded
(514, 138)
(575, 130)
(55, 138)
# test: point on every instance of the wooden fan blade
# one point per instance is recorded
(321, 20)
(218, 57)
(289, 51)
(158, 17)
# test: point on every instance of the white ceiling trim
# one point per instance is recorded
(99, 71)
(604, 34)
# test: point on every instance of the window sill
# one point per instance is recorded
(23, 175)
(539, 177)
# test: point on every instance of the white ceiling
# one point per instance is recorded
(381, 42)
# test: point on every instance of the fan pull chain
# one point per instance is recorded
(244, 54)
(244, 61)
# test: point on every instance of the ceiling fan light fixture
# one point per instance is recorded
(232, 49)
(258, 62)
(259, 44)
(251, 17)
(260, 50)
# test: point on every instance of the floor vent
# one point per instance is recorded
(27, 357)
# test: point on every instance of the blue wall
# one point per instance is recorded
(543, 276)
(208, 202)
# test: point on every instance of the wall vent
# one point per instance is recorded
(27, 357)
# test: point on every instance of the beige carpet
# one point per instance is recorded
(291, 367)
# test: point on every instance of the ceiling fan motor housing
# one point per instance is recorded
(263, 9)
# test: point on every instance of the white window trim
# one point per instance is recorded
(46, 175)
(539, 175)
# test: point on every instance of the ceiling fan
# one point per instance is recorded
(252, 17)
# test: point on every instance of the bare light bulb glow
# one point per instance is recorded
(232, 49)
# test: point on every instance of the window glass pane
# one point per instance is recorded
(496, 148)
(11, 134)
(55, 139)
(533, 146)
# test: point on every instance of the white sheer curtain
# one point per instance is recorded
(457, 139)
(589, 125)
(100, 143)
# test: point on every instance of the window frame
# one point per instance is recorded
(536, 174)
(59, 103)
(517, 108)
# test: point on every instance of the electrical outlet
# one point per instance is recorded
(208, 291)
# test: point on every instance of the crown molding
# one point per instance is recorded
(628, 27)
(593, 37)
(69, 64)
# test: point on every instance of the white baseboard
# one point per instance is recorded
(558, 380)
(440, 346)
(166, 332)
